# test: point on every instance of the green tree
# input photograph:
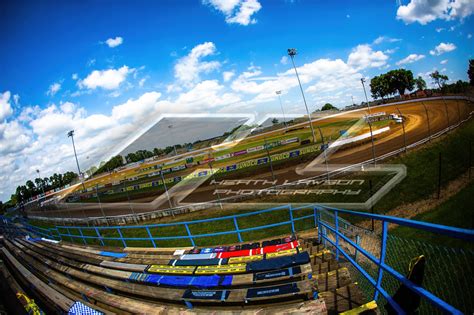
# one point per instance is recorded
(400, 80)
(439, 79)
(380, 87)
(274, 121)
(420, 84)
(329, 106)
(470, 72)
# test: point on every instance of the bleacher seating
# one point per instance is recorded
(274, 276)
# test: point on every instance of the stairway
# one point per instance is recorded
(334, 283)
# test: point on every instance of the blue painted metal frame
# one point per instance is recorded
(380, 263)
(337, 227)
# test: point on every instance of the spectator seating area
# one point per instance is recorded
(284, 275)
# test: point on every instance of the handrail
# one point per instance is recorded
(322, 227)
(465, 234)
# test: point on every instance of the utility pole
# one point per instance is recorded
(281, 105)
(71, 135)
(403, 126)
(325, 155)
(269, 159)
(362, 80)
(215, 184)
(166, 189)
(372, 138)
(428, 120)
(292, 53)
(128, 197)
(174, 145)
(100, 204)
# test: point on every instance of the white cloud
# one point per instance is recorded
(385, 39)
(13, 138)
(227, 75)
(106, 79)
(461, 8)
(225, 6)
(363, 57)
(440, 29)
(53, 89)
(442, 48)
(469, 36)
(136, 109)
(141, 83)
(426, 11)
(284, 60)
(114, 42)
(324, 76)
(16, 99)
(5, 107)
(236, 11)
(188, 69)
(443, 62)
(75, 76)
(410, 59)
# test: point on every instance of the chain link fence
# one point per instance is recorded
(449, 272)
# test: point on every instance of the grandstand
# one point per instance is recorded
(318, 271)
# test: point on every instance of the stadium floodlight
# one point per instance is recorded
(174, 145)
(213, 176)
(71, 135)
(282, 111)
(42, 188)
(372, 141)
(166, 190)
(292, 53)
(362, 80)
(325, 147)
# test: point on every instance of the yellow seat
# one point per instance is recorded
(244, 259)
(233, 268)
(287, 252)
(372, 305)
(187, 270)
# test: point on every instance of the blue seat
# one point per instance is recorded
(190, 281)
(278, 263)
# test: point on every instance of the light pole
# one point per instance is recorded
(100, 204)
(282, 111)
(128, 197)
(215, 184)
(362, 80)
(269, 159)
(166, 190)
(324, 150)
(174, 145)
(71, 134)
(42, 188)
(403, 126)
(428, 120)
(292, 53)
(372, 139)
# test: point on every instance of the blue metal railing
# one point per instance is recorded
(380, 262)
(84, 233)
(323, 218)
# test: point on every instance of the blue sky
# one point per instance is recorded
(104, 68)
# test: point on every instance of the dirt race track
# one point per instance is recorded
(416, 129)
